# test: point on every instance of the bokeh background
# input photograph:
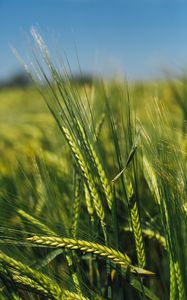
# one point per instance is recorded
(138, 38)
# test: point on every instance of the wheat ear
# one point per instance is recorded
(40, 188)
(152, 235)
(103, 251)
(179, 281)
(90, 183)
(172, 281)
(88, 200)
(104, 181)
(22, 280)
(45, 229)
(46, 283)
(101, 173)
(98, 127)
(136, 227)
(76, 206)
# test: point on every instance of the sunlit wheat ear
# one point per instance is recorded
(179, 281)
(85, 172)
(172, 281)
(76, 206)
(89, 247)
(41, 279)
(45, 229)
(89, 202)
(136, 226)
(104, 181)
(36, 280)
(100, 170)
(100, 250)
(152, 235)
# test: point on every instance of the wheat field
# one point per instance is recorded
(93, 186)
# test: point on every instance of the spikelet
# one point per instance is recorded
(76, 206)
(40, 188)
(90, 183)
(136, 226)
(101, 173)
(45, 282)
(172, 281)
(98, 127)
(150, 234)
(73, 244)
(155, 235)
(45, 229)
(88, 201)
(179, 281)
(104, 181)
(25, 281)
(100, 250)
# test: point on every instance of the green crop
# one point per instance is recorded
(93, 186)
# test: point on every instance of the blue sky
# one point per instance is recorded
(138, 38)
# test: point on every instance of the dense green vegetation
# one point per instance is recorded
(93, 189)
